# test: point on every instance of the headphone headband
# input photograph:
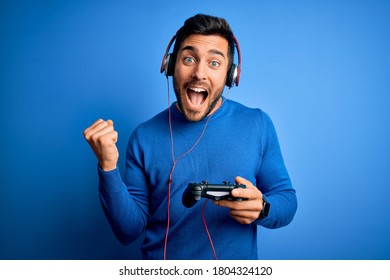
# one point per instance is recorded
(233, 74)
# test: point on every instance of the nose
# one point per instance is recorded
(200, 71)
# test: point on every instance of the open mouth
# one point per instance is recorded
(197, 96)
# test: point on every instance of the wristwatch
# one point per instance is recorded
(265, 211)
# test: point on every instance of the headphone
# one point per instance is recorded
(233, 74)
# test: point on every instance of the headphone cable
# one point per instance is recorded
(175, 161)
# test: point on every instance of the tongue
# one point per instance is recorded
(196, 98)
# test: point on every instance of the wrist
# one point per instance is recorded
(107, 166)
(264, 212)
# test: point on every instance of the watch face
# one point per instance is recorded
(266, 207)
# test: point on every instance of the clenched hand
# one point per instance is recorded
(102, 138)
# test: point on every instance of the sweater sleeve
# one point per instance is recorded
(124, 201)
(274, 182)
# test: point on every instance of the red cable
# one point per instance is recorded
(174, 166)
(207, 230)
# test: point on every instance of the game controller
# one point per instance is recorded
(195, 191)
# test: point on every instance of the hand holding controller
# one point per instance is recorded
(195, 191)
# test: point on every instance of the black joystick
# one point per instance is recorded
(195, 191)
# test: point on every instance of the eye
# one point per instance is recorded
(214, 63)
(189, 60)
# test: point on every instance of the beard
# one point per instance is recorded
(188, 114)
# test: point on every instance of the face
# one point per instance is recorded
(200, 75)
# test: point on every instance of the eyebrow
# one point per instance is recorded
(212, 51)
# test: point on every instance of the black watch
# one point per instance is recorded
(265, 211)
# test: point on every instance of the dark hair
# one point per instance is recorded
(205, 25)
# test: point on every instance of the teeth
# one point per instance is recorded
(198, 89)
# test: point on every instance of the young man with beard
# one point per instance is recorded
(202, 136)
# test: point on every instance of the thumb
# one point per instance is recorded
(250, 192)
(110, 122)
(243, 181)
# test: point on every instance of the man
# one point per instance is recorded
(202, 136)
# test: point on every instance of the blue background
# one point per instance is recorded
(320, 69)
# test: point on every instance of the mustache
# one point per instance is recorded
(196, 83)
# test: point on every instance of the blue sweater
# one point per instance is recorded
(238, 141)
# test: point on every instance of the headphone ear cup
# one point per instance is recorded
(170, 68)
(231, 76)
(168, 64)
(165, 65)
